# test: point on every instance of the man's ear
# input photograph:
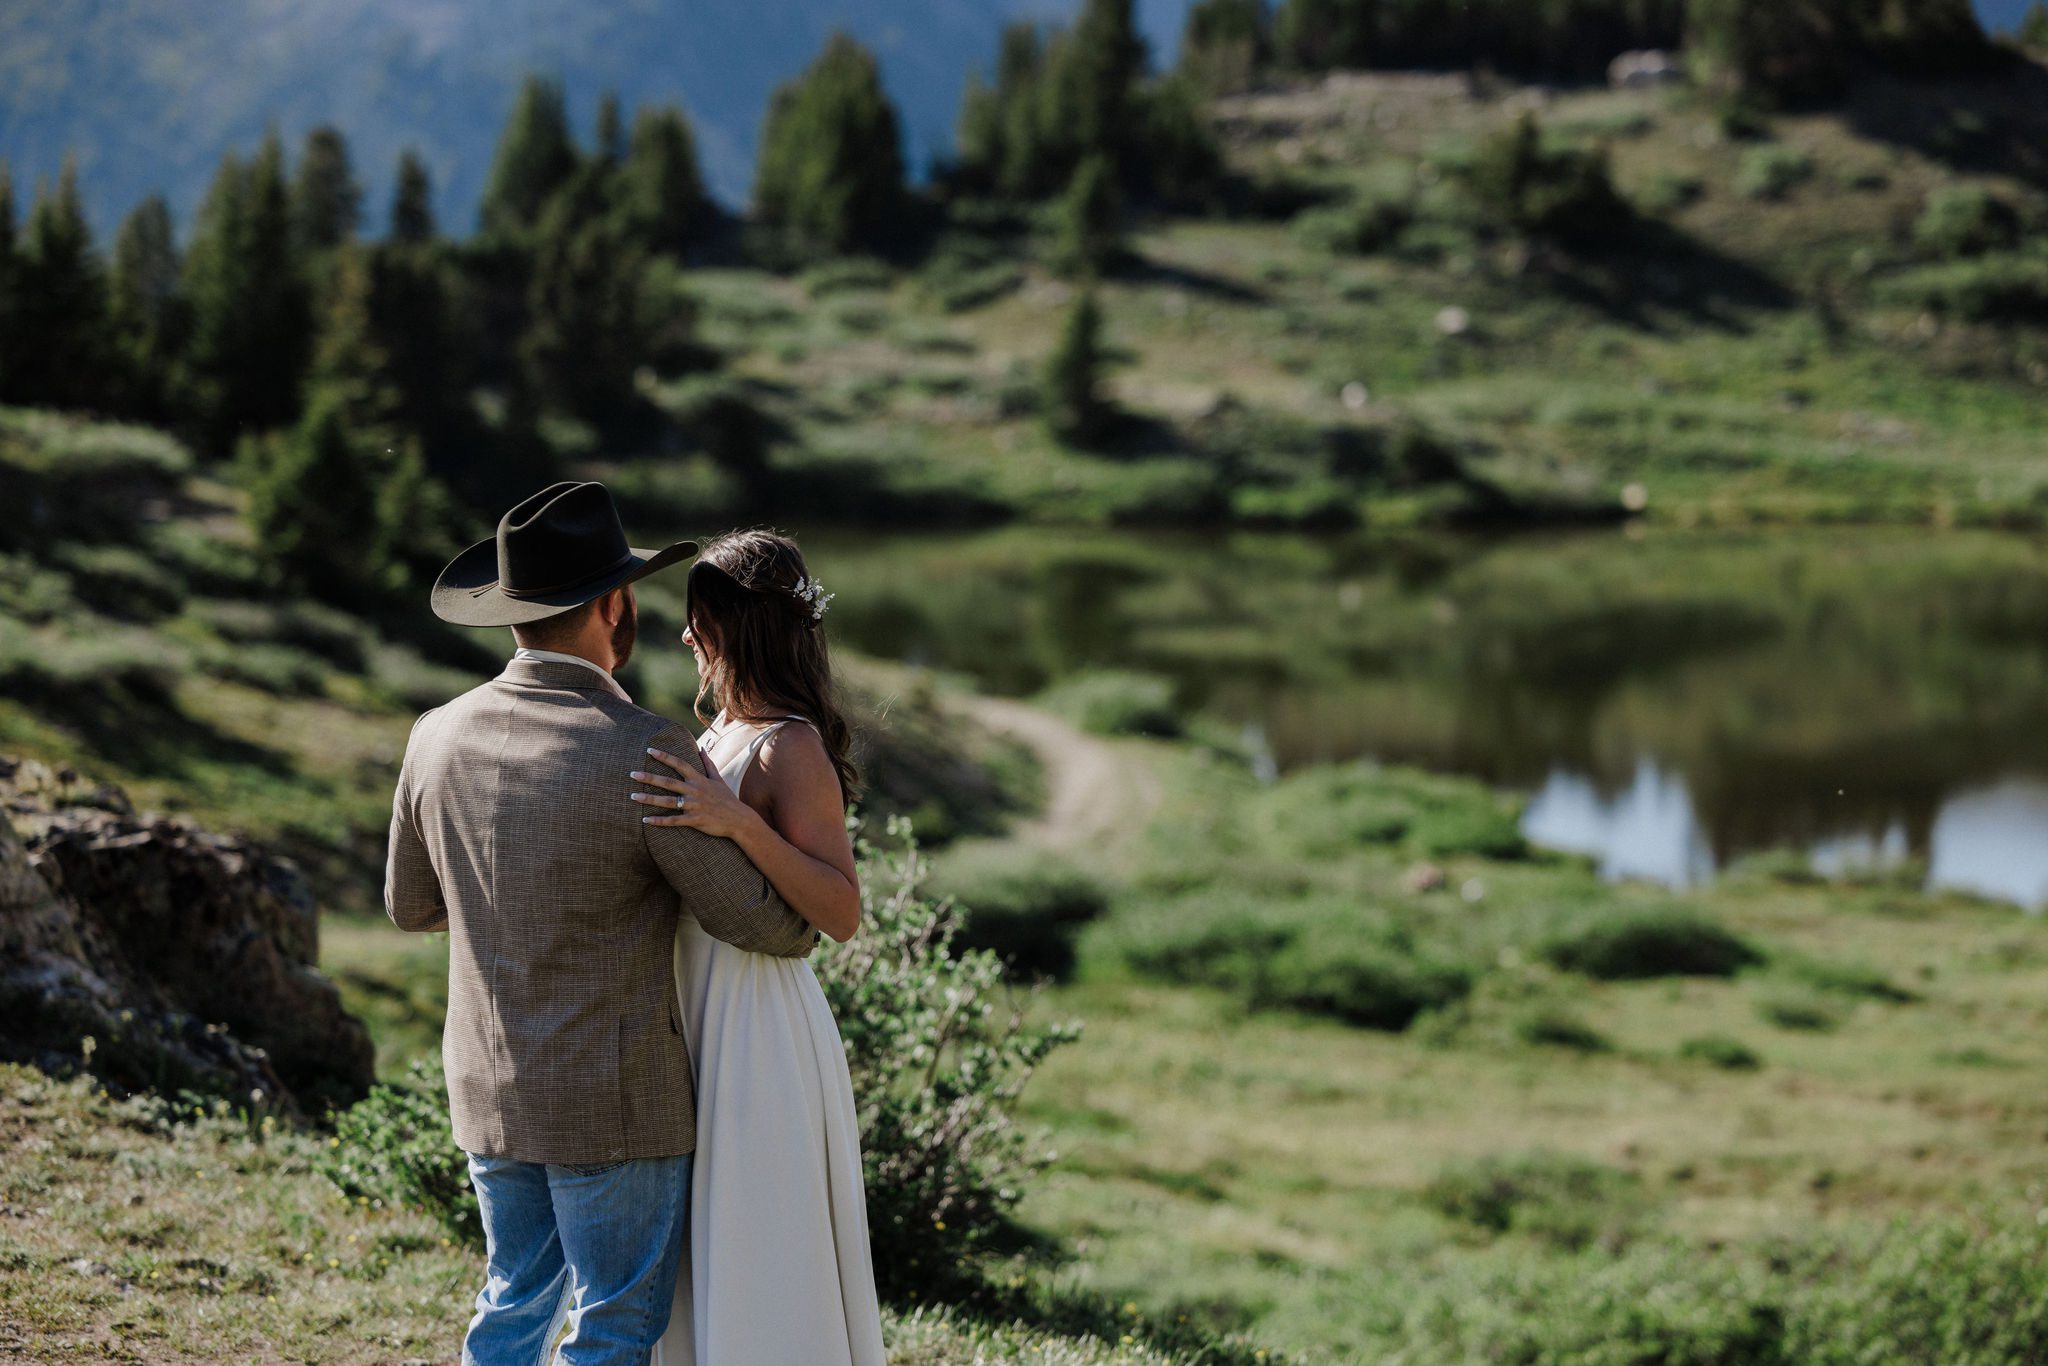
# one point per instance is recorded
(612, 606)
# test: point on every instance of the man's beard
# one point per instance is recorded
(625, 635)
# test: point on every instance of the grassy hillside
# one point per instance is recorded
(1791, 322)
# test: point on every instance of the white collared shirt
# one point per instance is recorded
(556, 657)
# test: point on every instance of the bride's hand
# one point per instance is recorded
(696, 799)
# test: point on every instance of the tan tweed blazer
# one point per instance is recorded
(512, 830)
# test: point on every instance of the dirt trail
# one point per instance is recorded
(1099, 794)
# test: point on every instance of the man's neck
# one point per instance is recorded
(570, 652)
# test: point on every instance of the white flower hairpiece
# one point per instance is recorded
(813, 592)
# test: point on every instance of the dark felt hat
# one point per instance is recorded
(559, 549)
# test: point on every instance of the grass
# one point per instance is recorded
(210, 1240)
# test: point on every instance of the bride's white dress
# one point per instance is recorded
(777, 1270)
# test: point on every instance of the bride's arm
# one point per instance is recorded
(800, 846)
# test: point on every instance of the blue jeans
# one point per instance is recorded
(599, 1245)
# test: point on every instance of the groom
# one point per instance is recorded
(568, 1076)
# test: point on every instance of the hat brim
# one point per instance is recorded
(468, 592)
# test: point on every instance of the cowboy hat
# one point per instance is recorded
(559, 549)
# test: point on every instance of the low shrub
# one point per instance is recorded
(1480, 828)
(847, 274)
(1371, 223)
(1027, 911)
(1358, 985)
(1729, 1054)
(1847, 979)
(395, 1148)
(121, 582)
(1560, 1199)
(1966, 220)
(2000, 287)
(939, 1049)
(1234, 952)
(1790, 1007)
(1772, 171)
(1660, 943)
(1527, 183)
(1561, 1029)
(1117, 702)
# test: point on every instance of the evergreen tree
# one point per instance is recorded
(2032, 30)
(313, 507)
(831, 167)
(535, 159)
(66, 357)
(11, 335)
(1183, 162)
(1074, 407)
(585, 336)
(326, 202)
(1090, 217)
(146, 309)
(660, 192)
(1109, 59)
(611, 132)
(412, 202)
(1224, 44)
(251, 315)
(348, 363)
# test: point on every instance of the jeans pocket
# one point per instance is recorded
(592, 1169)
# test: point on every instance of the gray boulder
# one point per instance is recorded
(186, 958)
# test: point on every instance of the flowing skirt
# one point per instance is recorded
(777, 1270)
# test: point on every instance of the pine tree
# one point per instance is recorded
(1109, 57)
(996, 137)
(412, 202)
(611, 132)
(1074, 407)
(585, 336)
(831, 168)
(348, 363)
(1090, 215)
(12, 337)
(313, 507)
(251, 314)
(146, 309)
(660, 192)
(326, 202)
(1225, 44)
(535, 159)
(2032, 29)
(66, 361)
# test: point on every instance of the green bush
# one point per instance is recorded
(1564, 1200)
(1729, 1054)
(2000, 287)
(1027, 911)
(1772, 171)
(1966, 220)
(1790, 1007)
(1561, 1029)
(122, 582)
(1526, 183)
(1643, 944)
(939, 1049)
(1358, 984)
(395, 1148)
(830, 176)
(1117, 702)
(1480, 828)
(1372, 222)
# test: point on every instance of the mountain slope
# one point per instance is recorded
(149, 96)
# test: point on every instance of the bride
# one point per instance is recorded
(779, 1270)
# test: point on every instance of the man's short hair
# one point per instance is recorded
(551, 633)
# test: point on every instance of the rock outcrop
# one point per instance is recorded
(186, 958)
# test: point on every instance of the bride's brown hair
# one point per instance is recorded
(765, 643)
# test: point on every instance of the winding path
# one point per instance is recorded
(1099, 794)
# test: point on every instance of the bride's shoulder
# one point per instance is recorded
(794, 754)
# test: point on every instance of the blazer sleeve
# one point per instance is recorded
(412, 889)
(720, 885)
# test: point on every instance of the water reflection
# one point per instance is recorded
(1987, 840)
(1674, 702)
